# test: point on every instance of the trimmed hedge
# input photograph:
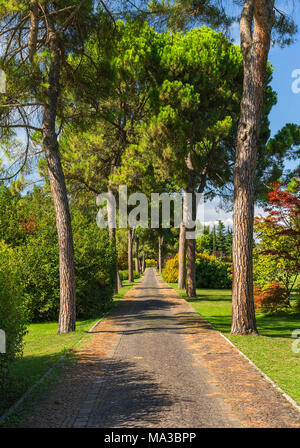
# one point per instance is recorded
(170, 272)
(124, 274)
(94, 268)
(13, 315)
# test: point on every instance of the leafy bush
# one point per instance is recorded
(13, 316)
(95, 262)
(151, 263)
(272, 298)
(39, 261)
(297, 304)
(124, 274)
(170, 272)
(211, 272)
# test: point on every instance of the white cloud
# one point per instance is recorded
(212, 213)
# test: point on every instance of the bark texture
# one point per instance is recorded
(136, 254)
(190, 242)
(182, 258)
(34, 27)
(119, 280)
(256, 25)
(160, 245)
(130, 261)
(143, 263)
(112, 236)
(67, 313)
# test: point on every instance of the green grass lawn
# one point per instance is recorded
(43, 347)
(271, 351)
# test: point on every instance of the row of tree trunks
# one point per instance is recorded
(67, 313)
(136, 254)
(131, 234)
(113, 239)
(190, 242)
(182, 258)
(143, 263)
(191, 253)
(160, 246)
(255, 28)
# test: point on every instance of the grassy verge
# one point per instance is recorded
(271, 351)
(43, 347)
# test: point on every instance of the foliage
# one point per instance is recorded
(200, 70)
(170, 272)
(217, 241)
(124, 274)
(272, 298)
(150, 263)
(13, 315)
(211, 272)
(277, 254)
(36, 248)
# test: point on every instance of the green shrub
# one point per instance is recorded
(211, 272)
(28, 226)
(150, 263)
(95, 262)
(124, 274)
(170, 272)
(13, 316)
(94, 267)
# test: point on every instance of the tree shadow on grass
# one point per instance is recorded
(24, 373)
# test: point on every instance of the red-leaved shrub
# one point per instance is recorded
(271, 298)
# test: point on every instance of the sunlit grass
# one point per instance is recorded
(43, 347)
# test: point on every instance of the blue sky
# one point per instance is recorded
(285, 61)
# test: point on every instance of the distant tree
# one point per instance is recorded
(220, 238)
(228, 243)
(213, 246)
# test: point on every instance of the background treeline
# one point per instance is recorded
(28, 234)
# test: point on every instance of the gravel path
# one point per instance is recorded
(156, 363)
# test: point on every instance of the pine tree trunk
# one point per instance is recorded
(136, 254)
(130, 264)
(119, 280)
(113, 239)
(190, 268)
(34, 28)
(182, 258)
(160, 244)
(67, 313)
(191, 242)
(143, 263)
(256, 25)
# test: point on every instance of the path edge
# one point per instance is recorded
(15, 405)
(263, 374)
